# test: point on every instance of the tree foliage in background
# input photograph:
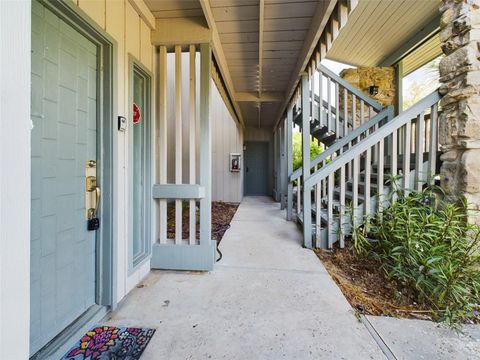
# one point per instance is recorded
(315, 149)
(417, 90)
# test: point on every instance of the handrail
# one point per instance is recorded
(372, 139)
(376, 105)
(333, 109)
(385, 113)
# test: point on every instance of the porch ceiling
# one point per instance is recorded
(376, 29)
(262, 41)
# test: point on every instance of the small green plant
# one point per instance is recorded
(428, 248)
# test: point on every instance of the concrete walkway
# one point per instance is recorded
(267, 299)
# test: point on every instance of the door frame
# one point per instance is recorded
(267, 145)
(135, 65)
(106, 264)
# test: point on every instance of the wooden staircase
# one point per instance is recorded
(363, 153)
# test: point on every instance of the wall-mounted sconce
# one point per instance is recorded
(373, 90)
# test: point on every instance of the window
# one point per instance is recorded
(139, 131)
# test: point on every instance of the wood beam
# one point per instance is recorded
(181, 31)
(261, 21)
(264, 97)
(144, 12)
(220, 57)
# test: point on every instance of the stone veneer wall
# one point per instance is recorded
(460, 118)
(364, 77)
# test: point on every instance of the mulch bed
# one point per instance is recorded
(366, 287)
(222, 214)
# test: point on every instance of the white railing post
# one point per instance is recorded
(162, 141)
(205, 145)
(307, 205)
(178, 141)
(276, 154)
(289, 148)
(191, 143)
(283, 166)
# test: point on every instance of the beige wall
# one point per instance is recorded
(132, 34)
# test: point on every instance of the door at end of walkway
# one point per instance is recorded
(256, 168)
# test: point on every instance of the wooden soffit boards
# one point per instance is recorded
(377, 29)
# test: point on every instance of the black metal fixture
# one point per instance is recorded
(373, 90)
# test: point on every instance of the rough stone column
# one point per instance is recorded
(364, 77)
(460, 119)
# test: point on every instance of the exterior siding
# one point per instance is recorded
(15, 45)
(227, 137)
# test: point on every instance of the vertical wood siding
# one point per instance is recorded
(227, 137)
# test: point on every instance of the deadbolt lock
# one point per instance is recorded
(90, 183)
(92, 195)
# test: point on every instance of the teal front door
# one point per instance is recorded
(256, 168)
(64, 140)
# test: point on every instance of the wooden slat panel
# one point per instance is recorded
(290, 10)
(406, 155)
(178, 191)
(329, 104)
(178, 140)
(282, 45)
(205, 145)
(318, 212)
(284, 35)
(289, 162)
(365, 42)
(331, 233)
(381, 159)
(368, 175)
(394, 160)
(249, 12)
(163, 139)
(433, 146)
(192, 136)
(228, 3)
(246, 46)
(237, 26)
(279, 54)
(235, 38)
(419, 149)
(161, 5)
(355, 178)
(287, 24)
(342, 207)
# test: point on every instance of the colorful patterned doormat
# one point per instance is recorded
(109, 342)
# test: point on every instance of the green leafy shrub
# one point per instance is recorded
(315, 149)
(427, 247)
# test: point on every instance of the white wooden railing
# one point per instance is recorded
(333, 116)
(332, 218)
(334, 110)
